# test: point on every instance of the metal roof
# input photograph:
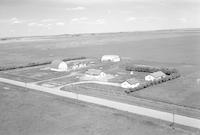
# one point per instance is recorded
(157, 74)
(55, 63)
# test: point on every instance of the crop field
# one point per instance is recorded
(164, 47)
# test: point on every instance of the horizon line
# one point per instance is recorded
(90, 33)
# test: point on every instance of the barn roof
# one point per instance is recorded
(132, 81)
(55, 63)
(157, 74)
(110, 56)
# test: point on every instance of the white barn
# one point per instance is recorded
(112, 58)
(58, 65)
(130, 83)
(155, 76)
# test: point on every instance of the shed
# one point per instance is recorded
(155, 76)
(112, 58)
(95, 72)
(130, 83)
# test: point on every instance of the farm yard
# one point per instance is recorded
(115, 75)
(100, 67)
(107, 77)
(42, 74)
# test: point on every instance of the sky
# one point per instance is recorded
(52, 17)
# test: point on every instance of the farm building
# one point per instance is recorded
(58, 65)
(112, 58)
(130, 83)
(155, 76)
(78, 65)
(95, 73)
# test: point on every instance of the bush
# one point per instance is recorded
(173, 74)
(150, 69)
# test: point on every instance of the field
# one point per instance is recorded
(182, 91)
(161, 46)
(25, 112)
(179, 49)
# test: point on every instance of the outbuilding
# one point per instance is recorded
(155, 76)
(58, 65)
(95, 73)
(130, 83)
(112, 58)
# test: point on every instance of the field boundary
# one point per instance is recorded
(34, 64)
(166, 116)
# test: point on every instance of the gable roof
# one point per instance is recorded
(157, 74)
(110, 56)
(55, 63)
(132, 81)
(93, 71)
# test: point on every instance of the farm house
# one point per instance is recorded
(112, 58)
(155, 76)
(130, 83)
(95, 73)
(58, 65)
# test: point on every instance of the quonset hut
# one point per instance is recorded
(58, 65)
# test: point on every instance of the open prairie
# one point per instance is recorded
(172, 47)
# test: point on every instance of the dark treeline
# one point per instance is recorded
(33, 64)
(171, 73)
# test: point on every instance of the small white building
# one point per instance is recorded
(58, 65)
(78, 65)
(96, 73)
(112, 58)
(130, 83)
(155, 76)
(131, 73)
